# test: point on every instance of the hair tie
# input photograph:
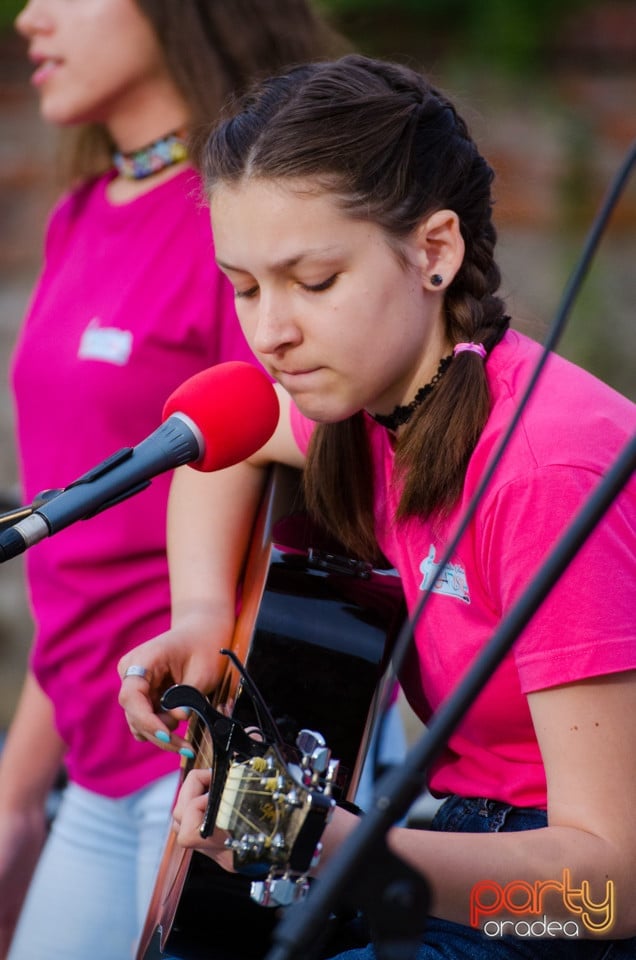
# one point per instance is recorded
(471, 347)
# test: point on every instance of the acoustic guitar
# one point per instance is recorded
(285, 734)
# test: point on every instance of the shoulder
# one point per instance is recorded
(571, 419)
(74, 209)
(184, 195)
(571, 432)
(73, 206)
(179, 210)
(186, 189)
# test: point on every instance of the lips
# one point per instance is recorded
(296, 373)
(45, 67)
(294, 378)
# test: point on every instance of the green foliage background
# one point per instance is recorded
(508, 34)
(514, 34)
(8, 11)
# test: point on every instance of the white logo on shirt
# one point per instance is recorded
(105, 343)
(452, 582)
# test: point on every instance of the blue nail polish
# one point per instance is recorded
(161, 735)
(186, 752)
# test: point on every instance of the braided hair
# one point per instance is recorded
(393, 150)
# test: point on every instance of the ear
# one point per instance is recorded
(440, 248)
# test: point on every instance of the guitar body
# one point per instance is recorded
(314, 634)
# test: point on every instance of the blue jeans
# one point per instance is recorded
(444, 940)
(90, 892)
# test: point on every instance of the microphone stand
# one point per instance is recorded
(10, 517)
(395, 896)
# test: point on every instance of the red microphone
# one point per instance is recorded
(218, 417)
(235, 407)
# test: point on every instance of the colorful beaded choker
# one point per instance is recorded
(402, 414)
(156, 156)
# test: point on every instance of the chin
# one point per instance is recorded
(322, 412)
(60, 113)
(56, 117)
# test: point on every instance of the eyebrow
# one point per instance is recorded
(282, 265)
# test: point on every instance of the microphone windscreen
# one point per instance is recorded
(235, 407)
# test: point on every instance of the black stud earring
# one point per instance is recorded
(437, 279)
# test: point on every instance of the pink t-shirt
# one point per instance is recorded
(129, 304)
(570, 433)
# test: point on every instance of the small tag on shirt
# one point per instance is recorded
(105, 343)
(452, 582)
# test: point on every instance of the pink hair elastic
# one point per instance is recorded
(472, 347)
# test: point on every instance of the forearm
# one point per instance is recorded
(209, 521)
(473, 877)
(29, 763)
(32, 754)
(540, 870)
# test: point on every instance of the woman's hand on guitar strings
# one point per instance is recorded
(187, 817)
(185, 654)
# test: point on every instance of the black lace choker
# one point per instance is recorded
(402, 414)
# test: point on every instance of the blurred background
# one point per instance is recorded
(549, 89)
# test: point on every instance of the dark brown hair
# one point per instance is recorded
(393, 150)
(214, 48)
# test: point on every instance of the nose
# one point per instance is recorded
(276, 327)
(34, 18)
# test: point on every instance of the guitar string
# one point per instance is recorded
(255, 826)
(245, 819)
(202, 743)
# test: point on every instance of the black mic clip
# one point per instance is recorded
(121, 456)
(14, 515)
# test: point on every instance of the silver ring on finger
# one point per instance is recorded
(136, 671)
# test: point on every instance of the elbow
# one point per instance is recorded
(624, 926)
(623, 910)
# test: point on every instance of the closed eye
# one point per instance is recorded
(250, 292)
(246, 294)
(323, 285)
